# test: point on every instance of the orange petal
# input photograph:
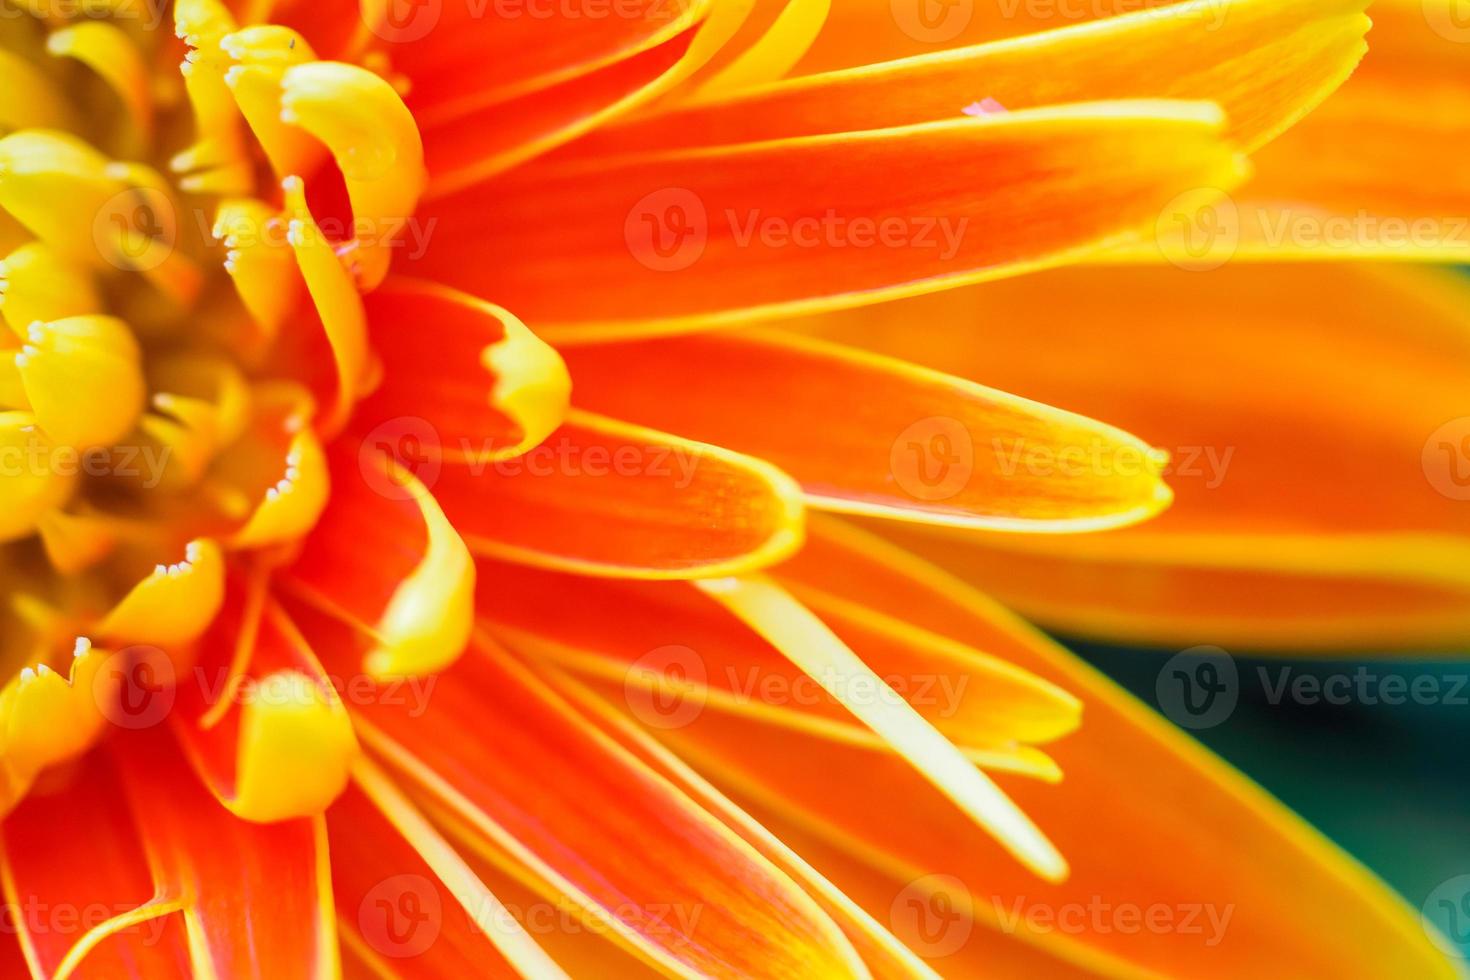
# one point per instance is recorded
(865, 32)
(221, 868)
(596, 826)
(386, 561)
(644, 242)
(261, 723)
(461, 54)
(74, 851)
(1257, 550)
(1265, 62)
(665, 651)
(415, 914)
(1183, 858)
(601, 497)
(882, 953)
(889, 439)
(477, 383)
(475, 144)
(1335, 188)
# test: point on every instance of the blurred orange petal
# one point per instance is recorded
(1265, 544)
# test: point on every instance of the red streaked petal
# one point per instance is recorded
(587, 821)
(644, 243)
(392, 910)
(73, 847)
(878, 436)
(602, 497)
(884, 955)
(475, 145)
(476, 378)
(460, 55)
(228, 871)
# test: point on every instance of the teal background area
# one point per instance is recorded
(1389, 783)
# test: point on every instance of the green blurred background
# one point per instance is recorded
(1389, 783)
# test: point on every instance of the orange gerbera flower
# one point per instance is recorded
(331, 622)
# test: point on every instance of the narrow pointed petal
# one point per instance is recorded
(454, 872)
(642, 243)
(1264, 61)
(597, 826)
(602, 497)
(664, 649)
(881, 951)
(895, 441)
(1182, 824)
(1252, 552)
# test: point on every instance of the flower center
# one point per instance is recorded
(182, 255)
